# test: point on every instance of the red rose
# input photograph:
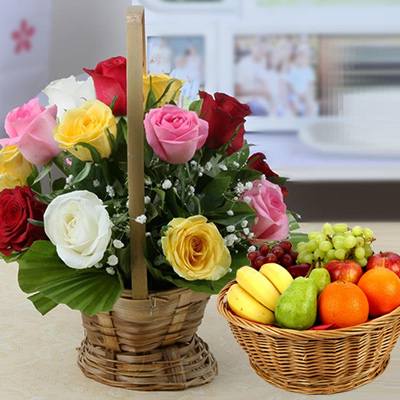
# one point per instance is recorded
(258, 162)
(110, 80)
(224, 115)
(16, 206)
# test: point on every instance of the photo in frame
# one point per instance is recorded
(185, 53)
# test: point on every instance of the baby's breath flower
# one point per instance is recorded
(249, 185)
(251, 248)
(141, 219)
(98, 265)
(118, 244)
(208, 166)
(244, 223)
(240, 188)
(112, 260)
(110, 191)
(167, 184)
(96, 183)
(230, 228)
(235, 164)
(147, 200)
(193, 164)
(247, 199)
(223, 167)
(110, 270)
(263, 177)
(246, 231)
(230, 213)
(147, 182)
(148, 234)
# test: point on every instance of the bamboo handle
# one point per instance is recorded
(136, 66)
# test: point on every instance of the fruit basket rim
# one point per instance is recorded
(366, 327)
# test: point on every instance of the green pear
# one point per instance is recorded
(297, 306)
(321, 278)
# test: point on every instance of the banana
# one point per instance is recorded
(277, 275)
(258, 286)
(247, 306)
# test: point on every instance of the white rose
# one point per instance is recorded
(69, 93)
(78, 224)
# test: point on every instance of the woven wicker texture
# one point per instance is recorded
(316, 362)
(149, 344)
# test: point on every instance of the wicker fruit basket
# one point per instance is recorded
(148, 341)
(315, 362)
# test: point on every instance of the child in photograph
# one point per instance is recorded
(194, 67)
(161, 56)
(180, 72)
(301, 80)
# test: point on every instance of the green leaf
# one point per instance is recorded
(113, 101)
(12, 257)
(31, 178)
(293, 224)
(88, 290)
(170, 83)
(58, 184)
(46, 169)
(83, 174)
(42, 304)
(211, 196)
(34, 222)
(196, 106)
(241, 210)
(95, 154)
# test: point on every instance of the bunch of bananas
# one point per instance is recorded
(256, 292)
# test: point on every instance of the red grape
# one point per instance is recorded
(286, 245)
(253, 255)
(264, 249)
(278, 251)
(293, 254)
(259, 261)
(286, 260)
(271, 258)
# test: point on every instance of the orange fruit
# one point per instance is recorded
(343, 303)
(382, 287)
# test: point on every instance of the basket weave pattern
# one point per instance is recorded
(134, 348)
(316, 362)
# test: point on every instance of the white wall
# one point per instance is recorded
(85, 32)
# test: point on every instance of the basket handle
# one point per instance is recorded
(136, 67)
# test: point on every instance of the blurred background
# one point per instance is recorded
(322, 78)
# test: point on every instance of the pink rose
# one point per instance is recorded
(30, 128)
(271, 223)
(175, 134)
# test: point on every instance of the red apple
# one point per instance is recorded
(349, 271)
(385, 260)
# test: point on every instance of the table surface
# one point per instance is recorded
(38, 354)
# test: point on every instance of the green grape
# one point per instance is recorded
(363, 262)
(312, 235)
(326, 245)
(368, 233)
(326, 260)
(300, 247)
(339, 245)
(327, 229)
(320, 238)
(360, 241)
(336, 239)
(348, 233)
(319, 254)
(330, 254)
(308, 259)
(301, 255)
(350, 242)
(357, 230)
(311, 245)
(340, 254)
(341, 228)
(359, 253)
(368, 250)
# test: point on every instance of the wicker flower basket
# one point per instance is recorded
(133, 348)
(148, 341)
(316, 362)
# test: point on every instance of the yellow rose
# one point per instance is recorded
(90, 123)
(14, 168)
(196, 249)
(159, 83)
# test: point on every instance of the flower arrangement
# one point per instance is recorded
(207, 202)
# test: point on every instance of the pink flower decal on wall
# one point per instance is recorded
(23, 37)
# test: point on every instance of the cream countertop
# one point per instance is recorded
(38, 354)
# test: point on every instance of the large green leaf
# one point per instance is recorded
(42, 304)
(296, 237)
(89, 290)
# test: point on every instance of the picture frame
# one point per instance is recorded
(312, 22)
(183, 38)
(185, 6)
